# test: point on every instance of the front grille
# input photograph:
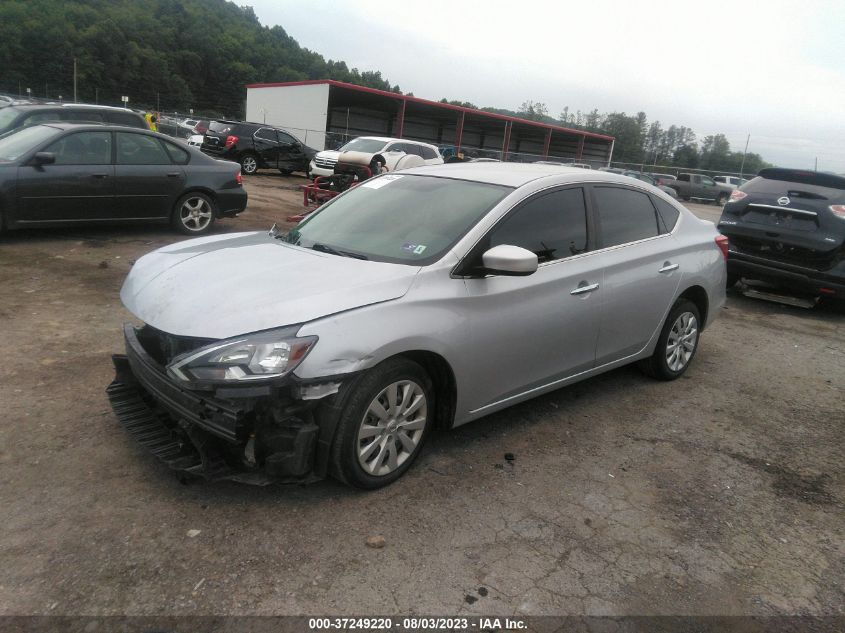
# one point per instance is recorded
(778, 251)
(326, 163)
(164, 347)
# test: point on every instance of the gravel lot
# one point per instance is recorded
(720, 493)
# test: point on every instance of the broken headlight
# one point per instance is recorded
(270, 354)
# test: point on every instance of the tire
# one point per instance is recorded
(286, 172)
(249, 163)
(194, 214)
(362, 463)
(666, 363)
(720, 200)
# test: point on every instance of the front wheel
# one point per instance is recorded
(383, 425)
(194, 214)
(677, 343)
(249, 164)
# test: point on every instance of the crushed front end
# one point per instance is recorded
(258, 432)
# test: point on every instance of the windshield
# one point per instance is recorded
(398, 218)
(7, 116)
(368, 145)
(16, 144)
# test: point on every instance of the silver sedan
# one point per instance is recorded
(425, 299)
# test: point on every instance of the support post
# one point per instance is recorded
(507, 140)
(459, 132)
(547, 143)
(580, 151)
(400, 119)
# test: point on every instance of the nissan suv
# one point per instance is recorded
(255, 146)
(20, 115)
(787, 227)
(392, 149)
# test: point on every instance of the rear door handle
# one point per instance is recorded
(584, 288)
(99, 175)
(173, 174)
(669, 267)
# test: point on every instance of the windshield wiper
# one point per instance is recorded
(324, 248)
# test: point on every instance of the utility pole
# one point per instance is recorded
(97, 96)
(742, 166)
(158, 103)
(816, 168)
(74, 80)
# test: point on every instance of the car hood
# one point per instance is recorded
(328, 154)
(228, 285)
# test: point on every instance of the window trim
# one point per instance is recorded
(266, 140)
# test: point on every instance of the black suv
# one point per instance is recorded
(20, 115)
(255, 145)
(787, 227)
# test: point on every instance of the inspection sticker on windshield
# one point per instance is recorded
(378, 183)
(416, 249)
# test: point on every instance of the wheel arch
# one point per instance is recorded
(195, 189)
(443, 378)
(698, 296)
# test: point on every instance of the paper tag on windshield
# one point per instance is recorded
(378, 183)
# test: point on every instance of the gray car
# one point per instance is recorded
(418, 300)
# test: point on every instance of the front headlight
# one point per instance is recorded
(261, 356)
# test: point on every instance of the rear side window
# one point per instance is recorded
(668, 214)
(266, 134)
(140, 149)
(625, 216)
(80, 115)
(551, 225)
(125, 118)
(177, 154)
(427, 153)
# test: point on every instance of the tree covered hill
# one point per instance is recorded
(178, 53)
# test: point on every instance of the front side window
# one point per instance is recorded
(398, 218)
(286, 139)
(140, 149)
(624, 215)
(707, 181)
(551, 225)
(427, 153)
(82, 148)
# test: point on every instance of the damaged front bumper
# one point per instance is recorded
(255, 434)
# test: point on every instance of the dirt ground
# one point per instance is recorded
(720, 493)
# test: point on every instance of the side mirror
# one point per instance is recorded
(44, 158)
(509, 260)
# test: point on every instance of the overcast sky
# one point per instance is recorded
(774, 69)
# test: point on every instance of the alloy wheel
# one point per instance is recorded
(249, 165)
(392, 427)
(195, 214)
(682, 340)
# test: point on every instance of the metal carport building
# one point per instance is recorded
(326, 113)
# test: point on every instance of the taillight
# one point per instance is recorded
(737, 195)
(722, 243)
(231, 140)
(838, 210)
(239, 178)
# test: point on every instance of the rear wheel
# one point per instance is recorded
(194, 214)
(677, 343)
(383, 425)
(249, 164)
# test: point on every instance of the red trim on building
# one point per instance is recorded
(448, 106)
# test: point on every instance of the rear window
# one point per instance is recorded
(781, 187)
(781, 181)
(220, 127)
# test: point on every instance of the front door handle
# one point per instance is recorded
(581, 289)
(173, 174)
(668, 267)
(99, 175)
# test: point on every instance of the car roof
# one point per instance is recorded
(515, 174)
(94, 125)
(387, 139)
(67, 106)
